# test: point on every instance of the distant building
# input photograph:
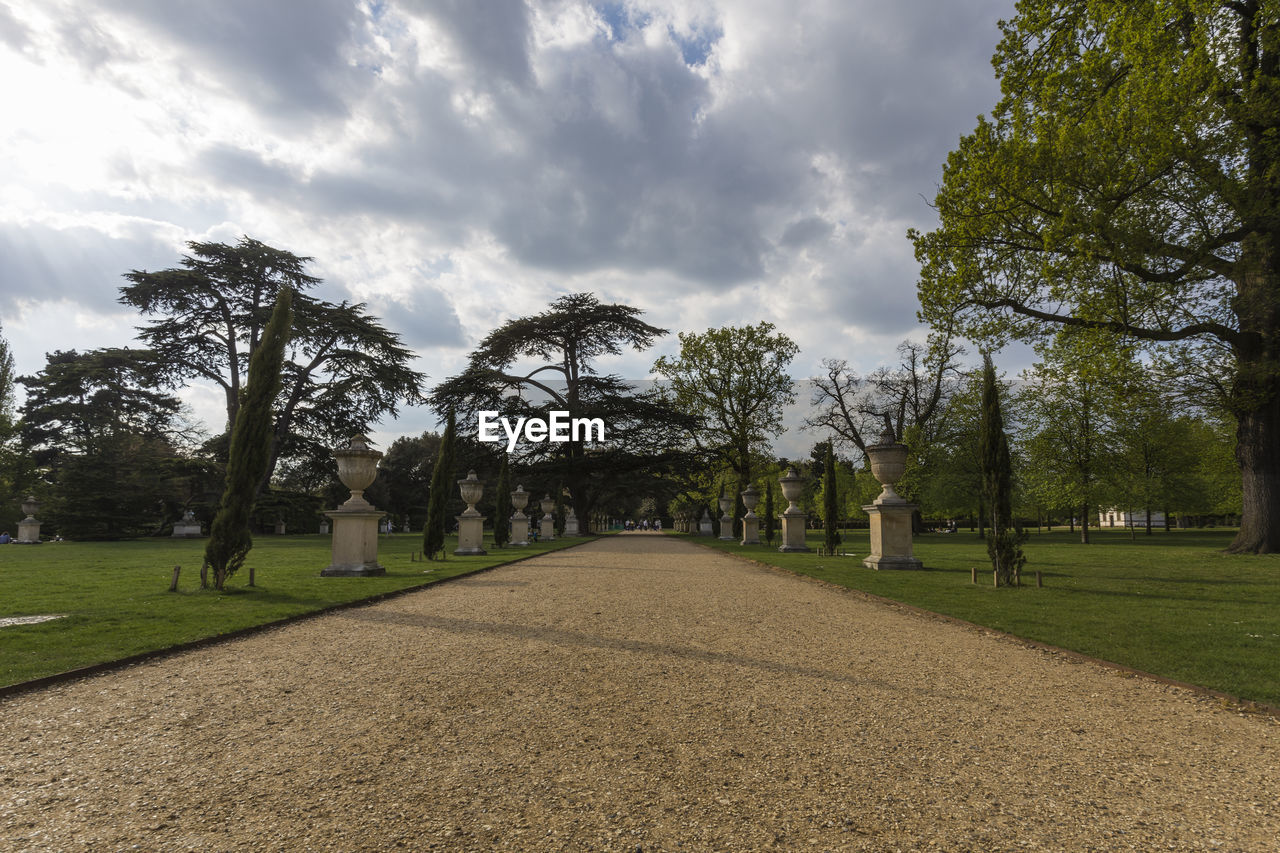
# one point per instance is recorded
(1114, 517)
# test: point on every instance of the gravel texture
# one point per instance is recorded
(636, 694)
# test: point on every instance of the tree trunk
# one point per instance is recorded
(1148, 519)
(1258, 453)
(1084, 524)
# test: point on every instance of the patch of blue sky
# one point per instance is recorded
(697, 48)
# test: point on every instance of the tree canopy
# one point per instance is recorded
(735, 380)
(1129, 181)
(343, 369)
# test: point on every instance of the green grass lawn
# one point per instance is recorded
(117, 600)
(1171, 603)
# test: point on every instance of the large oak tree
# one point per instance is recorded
(1129, 181)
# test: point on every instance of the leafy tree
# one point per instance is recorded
(1129, 181)
(107, 442)
(1004, 544)
(405, 472)
(548, 360)
(1066, 402)
(735, 380)
(343, 371)
(251, 440)
(442, 484)
(831, 502)
(769, 520)
(14, 470)
(502, 507)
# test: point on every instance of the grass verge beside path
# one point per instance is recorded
(1171, 604)
(117, 602)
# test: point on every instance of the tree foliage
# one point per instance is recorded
(735, 380)
(442, 485)
(830, 501)
(502, 506)
(1004, 543)
(531, 365)
(344, 369)
(1129, 181)
(251, 440)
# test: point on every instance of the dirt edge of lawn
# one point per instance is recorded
(1244, 706)
(154, 654)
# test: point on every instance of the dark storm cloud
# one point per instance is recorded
(489, 34)
(287, 57)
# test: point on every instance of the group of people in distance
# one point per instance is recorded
(643, 524)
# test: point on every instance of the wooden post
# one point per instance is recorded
(995, 578)
(973, 574)
(251, 576)
(204, 574)
(173, 586)
(1039, 580)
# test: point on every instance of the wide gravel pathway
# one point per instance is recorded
(636, 694)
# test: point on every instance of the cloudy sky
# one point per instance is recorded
(455, 163)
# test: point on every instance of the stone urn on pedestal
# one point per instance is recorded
(726, 519)
(793, 518)
(547, 530)
(571, 522)
(750, 521)
(188, 527)
(704, 527)
(29, 527)
(471, 522)
(355, 523)
(890, 513)
(519, 521)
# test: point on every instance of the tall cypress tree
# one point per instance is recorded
(438, 500)
(831, 502)
(502, 507)
(768, 511)
(251, 439)
(1004, 544)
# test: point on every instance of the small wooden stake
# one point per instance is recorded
(1039, 580)
(251, 576)
(973, 574)
(173, 587)
(995, 578)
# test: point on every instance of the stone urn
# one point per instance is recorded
(547, 528)
(471, 522)
(519, 521)
(357, 469)
(750, 521)
(793, 518)
(355, 522)
(726, 518)
(888, 462)
(890, 515)
(29, 527)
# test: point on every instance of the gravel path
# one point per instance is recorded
(635, 694)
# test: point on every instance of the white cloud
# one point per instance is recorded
(455, 163)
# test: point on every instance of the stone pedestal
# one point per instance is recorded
(470, 535)
(324, 528)
(704, 528)
(280, 528)
(890, 514)
(188, 527)
(547, 529)
(726, 520)
(471, 522)
(29, 527)
(793, 518)
(355, 523)
(891, 536)
(519, 521)
(355, 543)
(571, 523)
(750, 521)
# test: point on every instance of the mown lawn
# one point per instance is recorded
(1171, 604)
(117, 600)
